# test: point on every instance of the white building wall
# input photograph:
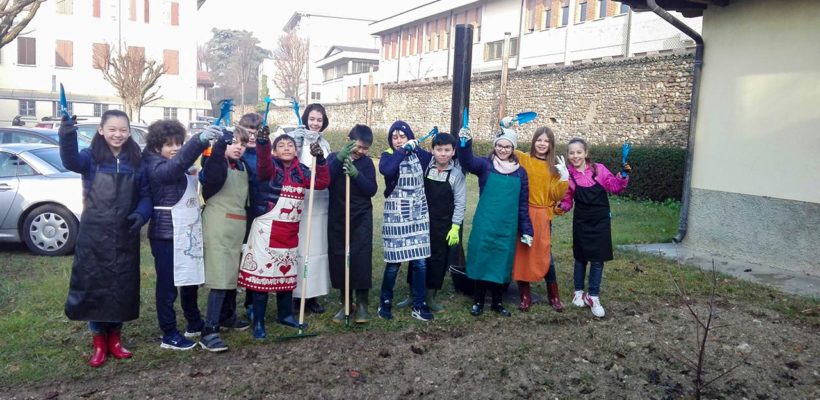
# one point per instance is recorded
(82, 81)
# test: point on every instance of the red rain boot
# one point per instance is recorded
(555, 300)
(100, 350)
(526, 298)
(115, 346)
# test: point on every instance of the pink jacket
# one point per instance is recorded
(611, 183)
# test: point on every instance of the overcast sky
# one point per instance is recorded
(266, 18)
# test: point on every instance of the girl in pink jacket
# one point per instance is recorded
(589, 185)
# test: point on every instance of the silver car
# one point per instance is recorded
(40, 200)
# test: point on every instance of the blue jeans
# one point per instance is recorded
(166, 292)
(391, 271)
(97, 327)
(596, 273)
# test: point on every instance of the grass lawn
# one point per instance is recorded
(40, 345)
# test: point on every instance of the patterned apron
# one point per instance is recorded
(223, 228)
(270, 260)
(406, 227)
(189, 257)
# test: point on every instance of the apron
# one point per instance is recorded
(223, 228)
(495, 230)
(533, 263)
(440, 196)
(361, 235)
(270, 260)
(591, 230)
(189, 261)
(318, 279)
(406, 227)
(105, 276)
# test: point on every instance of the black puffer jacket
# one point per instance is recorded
(168, 183)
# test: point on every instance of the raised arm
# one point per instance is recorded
(215, 171)
(613, 184)
(390, 161)
(169, 171)
(73, 159)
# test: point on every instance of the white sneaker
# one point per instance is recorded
(597, 308)
(578, 299)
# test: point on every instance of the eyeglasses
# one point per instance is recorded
(503, 147)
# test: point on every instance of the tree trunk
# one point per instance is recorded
(242, 93)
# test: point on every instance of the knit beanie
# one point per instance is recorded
(509, 134)
(399, 126)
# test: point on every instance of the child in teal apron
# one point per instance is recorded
(501, 217)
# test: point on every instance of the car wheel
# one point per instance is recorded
(50, 230)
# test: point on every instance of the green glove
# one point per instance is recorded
(344, 153)
(452, 236)
(350, 169)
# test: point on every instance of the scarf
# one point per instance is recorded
(505, 167)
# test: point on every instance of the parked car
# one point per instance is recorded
(36, 135)
(40, 200)
(88, 130)
(195, 127)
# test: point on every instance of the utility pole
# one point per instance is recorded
(369, 112)
(307, 73)
(505, 62)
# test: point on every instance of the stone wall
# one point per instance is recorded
(645, 100)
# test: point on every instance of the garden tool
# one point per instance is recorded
(624, 154)
(347, 249)
(520, 119)
(295, 104)
(465, 122)
(267, 108)
(63, 103)
(433, 132)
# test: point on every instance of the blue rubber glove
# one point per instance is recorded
(137, 223)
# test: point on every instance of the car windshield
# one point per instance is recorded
(51, 155)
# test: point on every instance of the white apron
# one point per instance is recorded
(318, 279)
(189, 261)
(270, 260)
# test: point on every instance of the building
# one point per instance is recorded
(346, 73)
(321, 32)
(418, 43)
(52, 50)
(755, 175)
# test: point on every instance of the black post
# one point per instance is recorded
(462, 68)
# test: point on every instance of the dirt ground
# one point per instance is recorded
(634, 353)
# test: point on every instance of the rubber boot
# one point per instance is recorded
(555, 300)
(260, 305)
(115, 346)
(526, 297)
(339, 317)
(435, 306)
(361, 316)
(100, 350)
(407, 302)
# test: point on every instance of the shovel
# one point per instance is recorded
(267, 108)
(347, 250)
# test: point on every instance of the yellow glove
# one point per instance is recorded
(452, 236)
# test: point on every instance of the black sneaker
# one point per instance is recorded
(477, 309)
(422, 313)
(501, 310)
(385, 310)
(235, 324)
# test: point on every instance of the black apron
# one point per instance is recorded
(591, 231)
(441, 205)
(361, 235)
(105, 276)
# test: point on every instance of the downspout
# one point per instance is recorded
(693, 113)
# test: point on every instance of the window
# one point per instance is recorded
(55, 109)
(169, 113)
(132, 10)
(146, 11)
(602, 8)
(175, 14)
(27, 108)
(11, 165)
(95, 7)
(359, 67)
(7, 168)
(65, 7)
(535, 13)
(564, 12)
(26, 51)
(495, 50)
(99, 109)
(99, 55)
(64, 54)
(171, 61)
(623, 9)
(315, 96)
(582, 13)
(136, 51)
(548, 15)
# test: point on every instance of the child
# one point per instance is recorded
(503, 190)
(314, 118)
(591, 235)
(271, 259)
(548, 183)
(352, 161)
(446, 189)
(406, 227)
(225, 181)
(105, 276)
(175, 231)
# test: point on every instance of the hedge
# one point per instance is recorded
(657, 172)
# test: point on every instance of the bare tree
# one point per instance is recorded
(289, 58)
(202, 58)
(14, 16)
(247, 58)
(132, 75)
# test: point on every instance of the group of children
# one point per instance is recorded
(253, 229)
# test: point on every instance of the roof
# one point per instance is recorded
(203, 78)
(689, 8)
(427, 10)
(339, 49)
(17, 148)
(297, 16)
